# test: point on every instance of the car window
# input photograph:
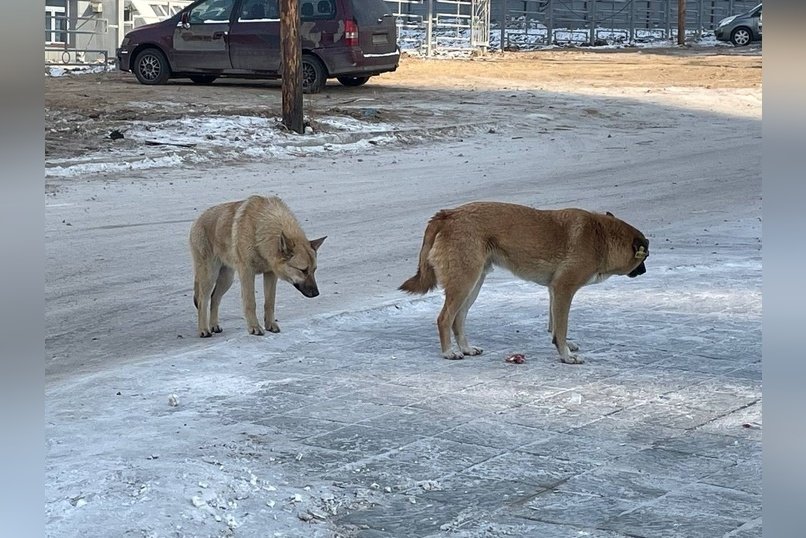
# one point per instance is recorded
(259, 9)
(367, 12)
(212, 11)
(317, 9)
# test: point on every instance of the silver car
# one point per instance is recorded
(741, 29)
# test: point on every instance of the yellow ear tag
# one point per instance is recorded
(641, 254)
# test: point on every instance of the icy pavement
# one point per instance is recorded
(351, 424)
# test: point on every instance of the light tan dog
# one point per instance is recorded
(562, 249)
(254, 236)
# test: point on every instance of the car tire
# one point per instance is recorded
(741, 36)
(314, 75)
(353, 81)
(203, 79)
(151, 67)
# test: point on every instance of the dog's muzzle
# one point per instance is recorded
(640, 270)
(307, 291)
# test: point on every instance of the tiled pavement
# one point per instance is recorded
(657, 435)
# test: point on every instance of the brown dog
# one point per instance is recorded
(562, 249)
(252, 236)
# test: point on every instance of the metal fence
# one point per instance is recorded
(430, 26)
(75, 39)
(436, 26)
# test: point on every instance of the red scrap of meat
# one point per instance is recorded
(516, 358)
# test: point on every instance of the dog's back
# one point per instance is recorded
(528, 242)
(234, 231)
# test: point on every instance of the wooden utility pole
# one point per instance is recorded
(681, 22)
(291, 50)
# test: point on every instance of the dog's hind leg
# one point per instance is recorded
(461, 316)
(454, 299)
(205, 274)
(222, 284)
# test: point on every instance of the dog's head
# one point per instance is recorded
(640, 247)
(298, 263)
(631, 258)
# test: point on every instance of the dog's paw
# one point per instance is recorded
(272, 327)
(453, 355)
(572, 359)
(472, 351)
(204, 333)
(571, 346)
(216, 328)
(257, 330)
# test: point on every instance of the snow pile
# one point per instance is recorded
(58, 70)
(199, 139)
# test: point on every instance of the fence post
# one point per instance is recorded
(121, 29)
(428, 28)
(592, 12)
(550, 25)
(632, 21)
(503, 23)
(667, 15)
(681, 22)
(700, 8)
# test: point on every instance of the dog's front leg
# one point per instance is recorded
(550, 328)
(269, 294)
(561, 297)
(247, 277)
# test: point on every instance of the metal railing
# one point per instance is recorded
(434, 26)
(599, 22)
(70, 52)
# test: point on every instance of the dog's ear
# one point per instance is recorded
(316, 243)
(640, 247)
(609, 214)
(286, 247)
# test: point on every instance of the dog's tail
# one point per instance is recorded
(426, 279)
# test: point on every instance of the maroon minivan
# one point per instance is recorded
(350, 40)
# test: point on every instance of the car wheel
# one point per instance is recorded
(353, 81)
(203, 79)
(151, 67)
(313, 74)
(741, 36)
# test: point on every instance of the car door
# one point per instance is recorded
(201, 38)
(254, 37)
(377, 32)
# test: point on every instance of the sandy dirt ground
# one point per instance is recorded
(81, 111)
